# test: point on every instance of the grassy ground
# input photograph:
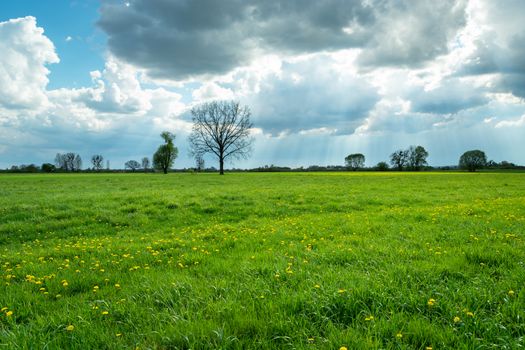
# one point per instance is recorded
(305, 261)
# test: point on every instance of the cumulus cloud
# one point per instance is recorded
(409, 33)
(500, 48)
(512, 123)
(25, 52)
(179, 39)
(311, 93)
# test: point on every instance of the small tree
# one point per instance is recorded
(399, 159)
(355, 161)
(145, 164)
(97, 161)
(77, 163)
(48, 167)
(221, 128)
(472, 160)
(166, 154)
(417, 157)
(132, 164)
(381, 166)
(199, 162)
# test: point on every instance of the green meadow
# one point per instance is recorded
(262, 261)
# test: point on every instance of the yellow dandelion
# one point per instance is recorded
(9, 313)
(117, 285)
(399, 335)
(457, 319)
(511, 293)
(470, 314)
(317, 286)
(3, 309)
(341, 291)
(431, 302)
(369, 318)
(343, 348)
(118, 334)
(70, 328)
(105, 312)
(428, 348)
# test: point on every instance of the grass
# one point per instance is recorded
(266, 261)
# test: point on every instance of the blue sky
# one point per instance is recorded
(323, 78)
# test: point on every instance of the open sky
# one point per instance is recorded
(322, 78)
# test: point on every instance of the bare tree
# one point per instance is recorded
(221, 128)
(132, 164)
(68, 161)
(77, 163)
(145, 164)
(97, 161)
(199, 162)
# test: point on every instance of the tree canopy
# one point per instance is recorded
(473, 160)
(166, 154)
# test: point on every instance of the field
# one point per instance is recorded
(263, 261)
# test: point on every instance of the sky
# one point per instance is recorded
(323, 79)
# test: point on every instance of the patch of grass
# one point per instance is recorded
(287, 260)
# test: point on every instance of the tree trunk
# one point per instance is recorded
(165, 170)
(221, 166)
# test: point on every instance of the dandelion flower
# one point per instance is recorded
(399, 335)
(431, 302)
(105, 312)
(457, 319)
(343, 348)
(70, 328)
(511, 293)
(9, 313)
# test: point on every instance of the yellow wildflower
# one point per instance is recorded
(9, 313)
(457, 319)
(343, 348)
(70, 328)
(431, 302)
(511, 293)
(399, 335)
(105, 312)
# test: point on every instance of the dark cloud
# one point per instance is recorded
(409, 33)
(501, 48)
(178, 39)
(451, 96)
(312, 95)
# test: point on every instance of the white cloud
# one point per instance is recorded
(25, 52)
(511, 123)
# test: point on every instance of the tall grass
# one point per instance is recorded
(266, 261)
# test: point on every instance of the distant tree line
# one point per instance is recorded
(222, 129)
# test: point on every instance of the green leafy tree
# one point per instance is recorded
(473, 160)
(48, 167)
(166, 154)
(132, 164)
(399, 159)
(381, 166)
(417, 157)
(355, 161)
